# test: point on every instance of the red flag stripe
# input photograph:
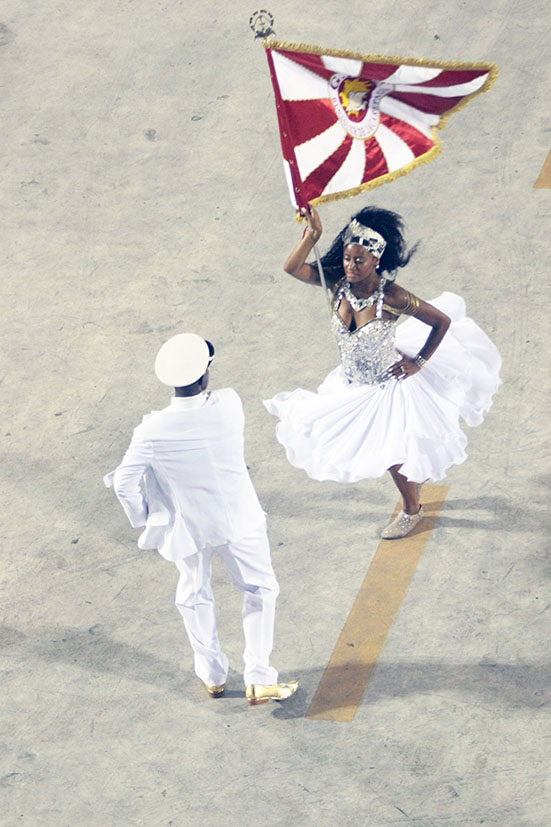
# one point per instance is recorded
(287, 144)
(450, 77)
(312, 62)
(417, 142)
(377, 71)
(309, 118)
(427, 103)
(320, 177)
(375, 161)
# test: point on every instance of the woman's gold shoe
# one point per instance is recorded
(216, 691)
(258, 693)
(402, 525)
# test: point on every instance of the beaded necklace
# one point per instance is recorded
(358, 304)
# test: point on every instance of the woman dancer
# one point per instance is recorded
(395, 401)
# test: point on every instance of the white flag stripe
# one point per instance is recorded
(350, 174)
(345, 65)
(314, 152)
(412, 74)
(297, 83)
(420, 120)
(397, 153)
(456, 91)
(289, 180)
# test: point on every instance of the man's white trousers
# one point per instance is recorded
(249, 566)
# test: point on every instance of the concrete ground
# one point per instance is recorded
(143, 194)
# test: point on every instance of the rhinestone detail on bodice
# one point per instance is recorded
(368, 352)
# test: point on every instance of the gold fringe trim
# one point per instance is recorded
(385, 59)
(491, 68)
(426, 158)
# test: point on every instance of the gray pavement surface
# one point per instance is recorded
(143, 194)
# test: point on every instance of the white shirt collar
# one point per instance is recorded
(186, 403)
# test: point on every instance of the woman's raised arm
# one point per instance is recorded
(296, 263)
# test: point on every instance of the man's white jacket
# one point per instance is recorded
(197, 490)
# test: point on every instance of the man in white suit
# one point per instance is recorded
(198, 500)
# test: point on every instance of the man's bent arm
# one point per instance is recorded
(127, 480)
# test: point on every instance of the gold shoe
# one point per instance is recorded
(216, 691)
(258, 693)
(402, 525)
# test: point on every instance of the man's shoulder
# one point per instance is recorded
(225, 395)
(222, 399)
(148, 423)
(223, 402)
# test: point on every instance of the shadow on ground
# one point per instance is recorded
(519, 685)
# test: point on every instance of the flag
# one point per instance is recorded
(351, 122)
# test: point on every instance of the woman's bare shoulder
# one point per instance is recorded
(396, 296)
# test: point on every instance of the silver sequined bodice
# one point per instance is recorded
(368, 352)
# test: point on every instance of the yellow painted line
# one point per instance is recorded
(365, 632)
(544, 178)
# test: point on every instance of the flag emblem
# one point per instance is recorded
(357, 103)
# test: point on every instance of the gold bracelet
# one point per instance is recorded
(412, 305)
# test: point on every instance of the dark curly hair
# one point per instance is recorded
(390, 225)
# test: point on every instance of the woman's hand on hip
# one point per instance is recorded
(404, 368)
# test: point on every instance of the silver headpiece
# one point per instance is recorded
(357, 233)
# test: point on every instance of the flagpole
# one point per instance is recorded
(322, 278)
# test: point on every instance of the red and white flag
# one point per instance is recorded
(351, 122)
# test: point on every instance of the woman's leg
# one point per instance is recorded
(408, 490)
(411, 513)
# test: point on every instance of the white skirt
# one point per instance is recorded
(347, 432)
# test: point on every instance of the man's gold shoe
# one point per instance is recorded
(258, 693)
(216, 691)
